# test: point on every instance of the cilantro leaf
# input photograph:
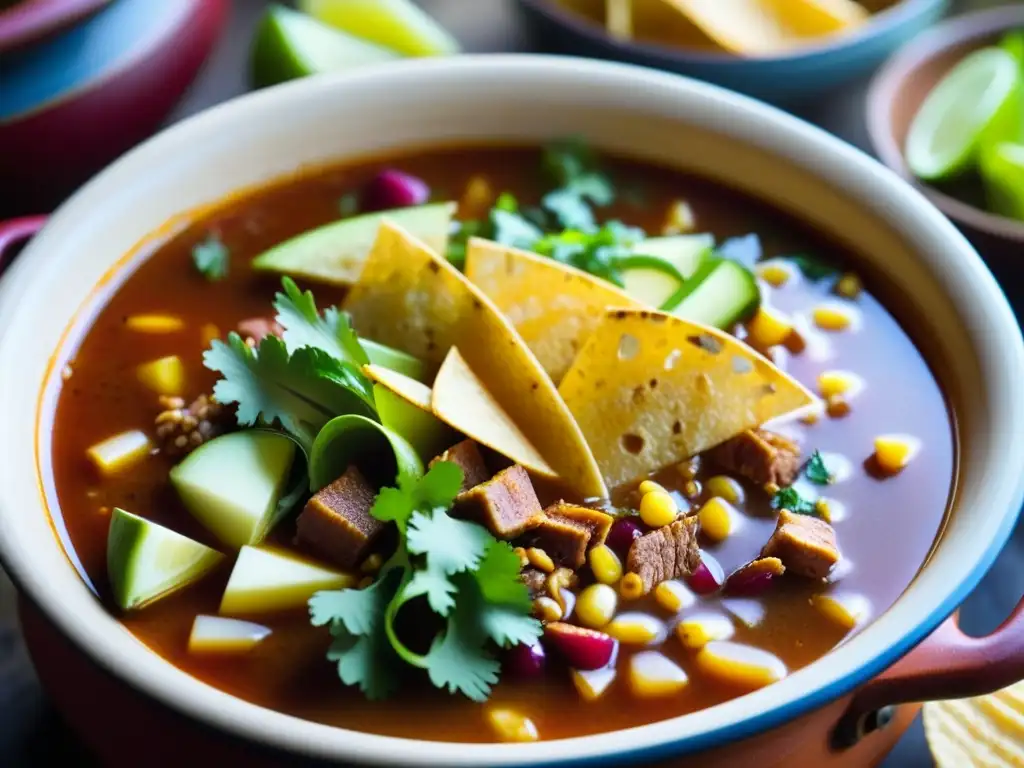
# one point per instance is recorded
(497, 576)
(513, 230)
(437, 488)
(816, 471)
(211, 258)
(302, 391)
(790, 498)
(570, 209)
(450, 546)
(348, 204)
(304, 327)
(813, 267)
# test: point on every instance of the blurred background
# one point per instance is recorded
(78, 89)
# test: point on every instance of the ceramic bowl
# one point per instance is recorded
(898, 91)
(814, 717)
(786, 80)
(30, 20)
(79, 96)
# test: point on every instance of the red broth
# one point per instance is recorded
(885, 527)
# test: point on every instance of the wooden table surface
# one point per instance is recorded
(32, 735)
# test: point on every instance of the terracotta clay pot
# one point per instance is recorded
(817, 716)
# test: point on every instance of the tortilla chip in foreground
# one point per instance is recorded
(554, 307)
(410, 298)
(461, 400)
(649, 390)
(985, 730)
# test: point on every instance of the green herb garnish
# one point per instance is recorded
(211, 258)
(812, 267)
(790, 498)
(467, 578)
(574, 169)
(305, 327)
(348, 204)
(816, 471)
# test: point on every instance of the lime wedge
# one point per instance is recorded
(289, 45)
(1002, 171)
(1013, 43)
(398, 24)
(977, 102)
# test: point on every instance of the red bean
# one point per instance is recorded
(707, 577)
(394, 189)
(623, 533)
(525, 662)
(581, 648)
(754, 578)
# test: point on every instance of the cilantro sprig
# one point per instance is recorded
(790, 498)
(211, 258)
(467, 578)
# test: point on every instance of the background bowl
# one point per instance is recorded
(779, 80)
(898, 91)
(30, 20)
(71, 103)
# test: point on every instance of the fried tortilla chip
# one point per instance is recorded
(985, 730)
(410, 298)
(554, 307)
(461, 400)
(403, 404)
(650, 389)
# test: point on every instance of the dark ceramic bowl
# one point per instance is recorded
(897, 93)
(790, 79)
(75, 98)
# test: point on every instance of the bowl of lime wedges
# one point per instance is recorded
(947, 112)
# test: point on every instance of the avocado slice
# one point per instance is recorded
(216, 634)
(684, 252)
(232, 484)
(721, 293)
(657, 272)
(268, 580)
(335, 253)
(146, 561)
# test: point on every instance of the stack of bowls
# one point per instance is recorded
(84, 80)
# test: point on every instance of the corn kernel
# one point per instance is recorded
(894, 452)
(724, 487)
(117, 453)
(679, 218)
(740, 665)
(546, 609)
(596, 605)
(658, 509)
(652, 674)
(592, 684)
(768, 328)
(540, 560)
(649, 485)
(775, 274)
(832, 317)
(512, 726)
(716, 519)
(839, 384)
(605, 564)
(636, 629)
(849, 286)
(688, 469)
(771, 488)
(697, 631)
(631, 587)
(823, 510)
(165, 376)
(674, 596)
(692, 489)
(478, 194)
(154, 323)
(810, 419)
(209, 333)
(371, 564)
(846, 612)
(520, 552)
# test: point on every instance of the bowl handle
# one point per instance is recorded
(946, 665)
(13, 232)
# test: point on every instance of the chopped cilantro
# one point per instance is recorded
(579, 181)
(302, 391)
(816, 471)
(348, 204)
(211, 258)
(570, 209)
(305, 327)
(467, 577)
(790, 498)
(813, 267)
(512, 229)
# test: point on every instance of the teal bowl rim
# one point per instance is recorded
(904, 12)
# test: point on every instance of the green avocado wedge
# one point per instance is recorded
(381, 453)
(146, 561)
(335, 253)
(289, 45)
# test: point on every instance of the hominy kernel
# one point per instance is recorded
(725, 487)
(771, 488)
(768, 328)
(546, 609)
(540, 560)
(673, 596)
(521, 554)
(605, 564)
(832, 318)
(849, 286)
(512, 726)
(478, 194)
(776, 275)
(596, 605)
(658, 509)
(679, 219)
(631, 587)
(716, 519)
(649, 485)
(894, 452)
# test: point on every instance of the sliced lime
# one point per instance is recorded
(1013, 43)
(290, 45)
(977, 102)
(398, 24)
(1002, 170)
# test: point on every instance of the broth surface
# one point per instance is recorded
(885, 527)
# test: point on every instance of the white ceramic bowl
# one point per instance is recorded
(939, 287)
